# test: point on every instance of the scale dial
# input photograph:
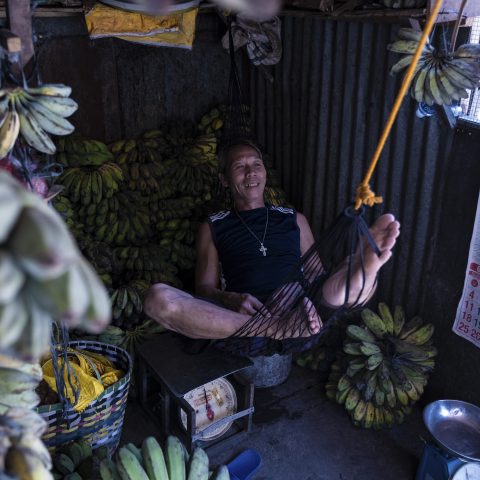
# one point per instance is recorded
(469, 471)
(212, 402)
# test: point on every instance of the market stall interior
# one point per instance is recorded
(114, 120)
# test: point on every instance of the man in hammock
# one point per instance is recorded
(254, 247)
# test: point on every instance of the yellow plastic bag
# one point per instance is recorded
(174, 30)
(90, 374)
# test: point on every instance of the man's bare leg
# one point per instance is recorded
(181, 312)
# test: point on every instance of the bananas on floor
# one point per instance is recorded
(75, 461)
(384, 368)
(440, 78)
(35, 113)
(150, 462)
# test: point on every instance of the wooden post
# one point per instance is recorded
(19, 16)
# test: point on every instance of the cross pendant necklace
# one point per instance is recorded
(262, 248)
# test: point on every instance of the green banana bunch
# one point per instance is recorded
(150, 462)
(75, 460)
(383, 368)
(440, 78)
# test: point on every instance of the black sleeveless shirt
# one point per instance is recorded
(244, 267)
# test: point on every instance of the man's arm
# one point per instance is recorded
(207, 277)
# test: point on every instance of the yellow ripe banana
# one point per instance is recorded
(51, 90)
(401, 396)
(359, 411)
(369, 415)
(9, 132)
(22, 463)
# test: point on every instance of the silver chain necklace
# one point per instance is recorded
(262, 246)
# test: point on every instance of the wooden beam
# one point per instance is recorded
(19, 16)
(10, 42)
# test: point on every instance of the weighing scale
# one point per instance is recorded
(454, 453)
(194, 396)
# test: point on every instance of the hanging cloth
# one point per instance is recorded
(261, 39)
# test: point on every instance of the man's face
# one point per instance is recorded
(245, 173)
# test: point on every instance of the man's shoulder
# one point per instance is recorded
(284, 210)
(215, 217)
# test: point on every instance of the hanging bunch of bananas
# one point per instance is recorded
(42, 273)
(75, 461)
(22, 452)
(42, 277)
(35, 113)
(151, 462)
(384, 368)
(440, 77)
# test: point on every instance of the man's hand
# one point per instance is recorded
(242, 303)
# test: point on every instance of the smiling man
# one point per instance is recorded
(244, 254)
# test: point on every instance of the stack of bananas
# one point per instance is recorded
(440, 78)
(35, 112)
(43, 275)
(385, 367)
(127, 303)
(147, 263)
(150, 462)
(74, 461)
(22, 452)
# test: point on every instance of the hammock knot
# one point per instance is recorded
(366, 196)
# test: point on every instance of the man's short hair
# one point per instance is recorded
(225, 150)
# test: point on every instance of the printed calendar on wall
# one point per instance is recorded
(467, 320)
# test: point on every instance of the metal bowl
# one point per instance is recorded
(455, 426)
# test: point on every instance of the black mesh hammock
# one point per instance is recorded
(282, 325)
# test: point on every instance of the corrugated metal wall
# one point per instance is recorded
(320, 121)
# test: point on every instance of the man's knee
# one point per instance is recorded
(159, 303)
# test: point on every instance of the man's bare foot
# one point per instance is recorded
(384, 232)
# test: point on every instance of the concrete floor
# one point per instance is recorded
(301, 435)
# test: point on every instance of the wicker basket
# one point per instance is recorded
(101, 422)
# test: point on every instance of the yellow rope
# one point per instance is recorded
(364, 194)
